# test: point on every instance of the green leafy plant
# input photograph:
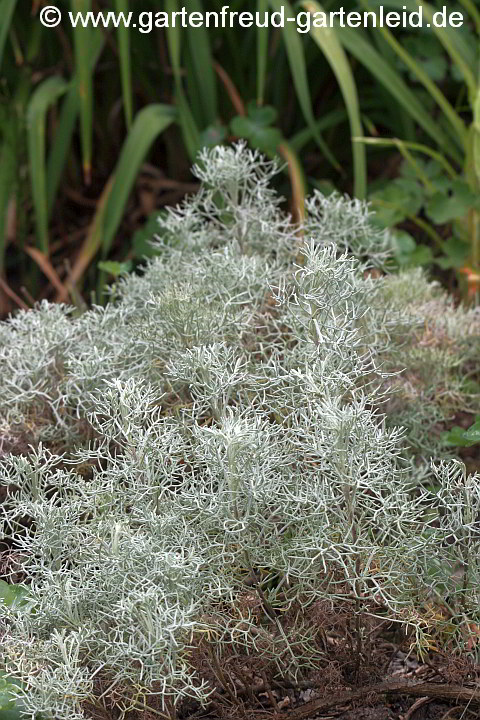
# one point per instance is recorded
(448, 187)
(424, 188)
(9, 709)
(12, 595)
(459, 437)
(256, 127)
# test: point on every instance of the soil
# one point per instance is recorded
(382, 706)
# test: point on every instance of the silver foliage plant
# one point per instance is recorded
(217, 430)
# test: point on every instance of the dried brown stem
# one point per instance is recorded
(399, 687)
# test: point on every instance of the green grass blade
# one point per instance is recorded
(62, 141)
(298, 141)
(296, 58)
(82, 38)
(43, 97)
(474, 180)
(123, 35)
(262, 53)
(458, 126)
(204, 74)
(473, 11)
(90, 247)
(456, 122)
(475, 183)
(191, 135)
(462, 53)
(7, 8)
(8, 163)
(452, 43)
(61, 144)
(328, 43)
(418, 147)
(192, 89)
(448, 36)
(174, 41)
(147, 126)
(360, 48)
(476, 139)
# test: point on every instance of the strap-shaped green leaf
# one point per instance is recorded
(123, 36)
(44, 96)
(296, 59)
(82, 38)
(357, 44)
(147, 126)
(327, 41)
(7, 8)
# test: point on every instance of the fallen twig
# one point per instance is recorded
(445, 692)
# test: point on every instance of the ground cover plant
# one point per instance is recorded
(207, 499)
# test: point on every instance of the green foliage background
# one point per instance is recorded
(82, 110)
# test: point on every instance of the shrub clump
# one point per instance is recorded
(210, 467)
